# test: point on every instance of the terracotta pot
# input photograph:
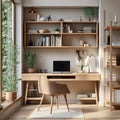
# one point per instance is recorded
(31, 70)
(10, 96)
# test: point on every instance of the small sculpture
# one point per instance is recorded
(49, 18)
(81, 42)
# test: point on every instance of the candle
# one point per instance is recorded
(116, 19)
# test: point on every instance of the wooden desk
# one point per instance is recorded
(77, 77)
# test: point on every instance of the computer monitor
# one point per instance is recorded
(61, 66)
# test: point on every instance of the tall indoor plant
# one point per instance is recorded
(10, 76)
(30, 58)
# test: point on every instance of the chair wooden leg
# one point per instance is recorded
(66, 102)
(26, 92)
(52, 99)
(41, 101)
(57, 102)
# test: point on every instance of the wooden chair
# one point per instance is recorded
(52, 89)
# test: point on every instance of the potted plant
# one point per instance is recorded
(89, 12)
(57, 30)
(30, 59)
(81, 68)
(10, 75)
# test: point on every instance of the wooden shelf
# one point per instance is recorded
(63, 35)
(115, 103)
(83, 33)
(114, 47)
(34, 98)
(112, 27)
(42, 22)
(43, 33)
(52, 22)
(80, 22)
(88, 98)
(113, 66)
(60, 47)
(117, 86)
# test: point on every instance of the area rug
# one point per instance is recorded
(60, 113)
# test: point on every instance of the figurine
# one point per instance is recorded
(49, 18)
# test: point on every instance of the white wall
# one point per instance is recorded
(46, 56)
(19, 41)
(60, 3)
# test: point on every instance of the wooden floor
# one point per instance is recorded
(91, 112)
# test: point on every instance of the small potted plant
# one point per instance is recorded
(30, 59)
(81, 68)
(57, 30)
(89, 12)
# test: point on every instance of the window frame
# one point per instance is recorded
(0, 51)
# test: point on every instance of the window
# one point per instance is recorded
(7, 34)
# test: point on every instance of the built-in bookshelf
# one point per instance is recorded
(37, 35)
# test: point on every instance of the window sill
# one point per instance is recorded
(7, 104)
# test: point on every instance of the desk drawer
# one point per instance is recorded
(30, 77)
(88, 77)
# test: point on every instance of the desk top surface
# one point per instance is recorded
(71, 76)
(62, 74)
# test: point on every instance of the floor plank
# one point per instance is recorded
(91, 112)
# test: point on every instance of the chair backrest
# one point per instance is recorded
(51, 88)
(44, 85)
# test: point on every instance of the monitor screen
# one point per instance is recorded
(61, 66)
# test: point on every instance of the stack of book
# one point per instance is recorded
(116, 43)
(114, 77)
(82, 96)
(87, 29)
(49, 41)
(114, 61)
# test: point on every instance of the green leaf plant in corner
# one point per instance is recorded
(30, 58)
(10, 76)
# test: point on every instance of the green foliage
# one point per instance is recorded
(30, 59)
(6, 35)
(82, 66)
(10, 72)
(89, 11)
(57, 29)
